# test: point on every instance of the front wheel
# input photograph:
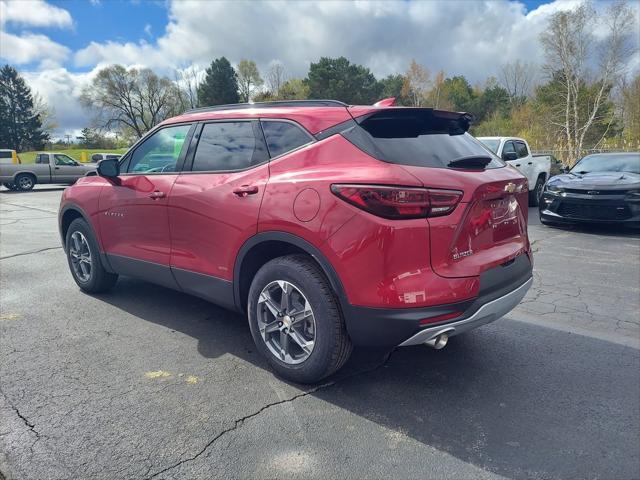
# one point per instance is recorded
(83, 256)
(295, 320)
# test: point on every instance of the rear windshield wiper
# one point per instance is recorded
(476, 162)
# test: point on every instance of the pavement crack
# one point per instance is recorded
(24, 419)
(30, 208)
(29, 253)
(240, 421)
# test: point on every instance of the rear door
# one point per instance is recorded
(214, 206)
(134, 222)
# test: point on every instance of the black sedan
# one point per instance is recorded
(602, 188)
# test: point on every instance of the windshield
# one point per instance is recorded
(490, 144)
(609, 162)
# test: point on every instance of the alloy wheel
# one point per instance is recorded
(80, 255)
(286, 322)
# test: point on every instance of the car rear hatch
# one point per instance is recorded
(488, 227)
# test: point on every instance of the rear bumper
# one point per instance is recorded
(487, 313)
(501, 289)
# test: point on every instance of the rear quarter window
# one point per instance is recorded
(282, 137)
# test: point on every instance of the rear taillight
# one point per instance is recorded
(399, 202)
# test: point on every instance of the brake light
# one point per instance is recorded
(399, 202)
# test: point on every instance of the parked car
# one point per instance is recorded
(9, 157)
(328, 225)
(96, 157)
(516, 152)
(49, 167)
(602, 188)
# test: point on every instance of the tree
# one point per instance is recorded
(457, 93)
(248, 79)
(517, 78)
(630, 93)
(338, 79)
(417, 82)
(571, 51)
(220, 85)
(132, 99)
(392, 87)
(188, 79)
(294, 89)
(92, 138)
(21, 126)
(276, 77)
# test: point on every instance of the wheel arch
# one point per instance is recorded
(68, 214)
(266, 246)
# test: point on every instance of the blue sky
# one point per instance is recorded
(59, 45)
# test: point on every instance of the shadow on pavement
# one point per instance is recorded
(5, 191)
(513, 398)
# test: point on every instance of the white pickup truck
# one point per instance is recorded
(516, 152)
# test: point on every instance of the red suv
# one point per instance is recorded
(329, 225)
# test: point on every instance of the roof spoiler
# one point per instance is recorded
(454, 123)
(385, 102)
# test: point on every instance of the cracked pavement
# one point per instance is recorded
(144, 382)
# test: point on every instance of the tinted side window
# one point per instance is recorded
(160, 152)
(64, 160)
(509, 147)
(228, 146)
(522, 150)
(5, 154)
(96, 157)
(283, 137)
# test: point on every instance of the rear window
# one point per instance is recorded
(417, 138)
(5, 154)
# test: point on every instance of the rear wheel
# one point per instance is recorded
(83, 256)
(295, 320)
(536, 193)
(25, 181)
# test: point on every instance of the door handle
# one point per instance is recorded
(245, 190)
(156, 195)
(530, 163)
(56, 168)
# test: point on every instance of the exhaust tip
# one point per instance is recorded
(438, 342)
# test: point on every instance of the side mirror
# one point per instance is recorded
(565, 169)
(109, 168)
(508, 156)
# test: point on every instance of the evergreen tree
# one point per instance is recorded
(337, 79)
(220, 84)
(21, 126)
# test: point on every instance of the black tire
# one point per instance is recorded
(536, 193)
(99, 280)
(332, 346)
(25, 182)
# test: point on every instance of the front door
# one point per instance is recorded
(134, 222)
(214, 207)
(65, 169)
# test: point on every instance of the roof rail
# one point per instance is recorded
(279, 103)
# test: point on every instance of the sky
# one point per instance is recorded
(59, 45)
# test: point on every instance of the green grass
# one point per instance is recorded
(75, 153)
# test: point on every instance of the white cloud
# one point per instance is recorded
(34, 13)
(459, 37)
(30, 47)
(61, 90)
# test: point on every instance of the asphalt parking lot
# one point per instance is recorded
(145, 382)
